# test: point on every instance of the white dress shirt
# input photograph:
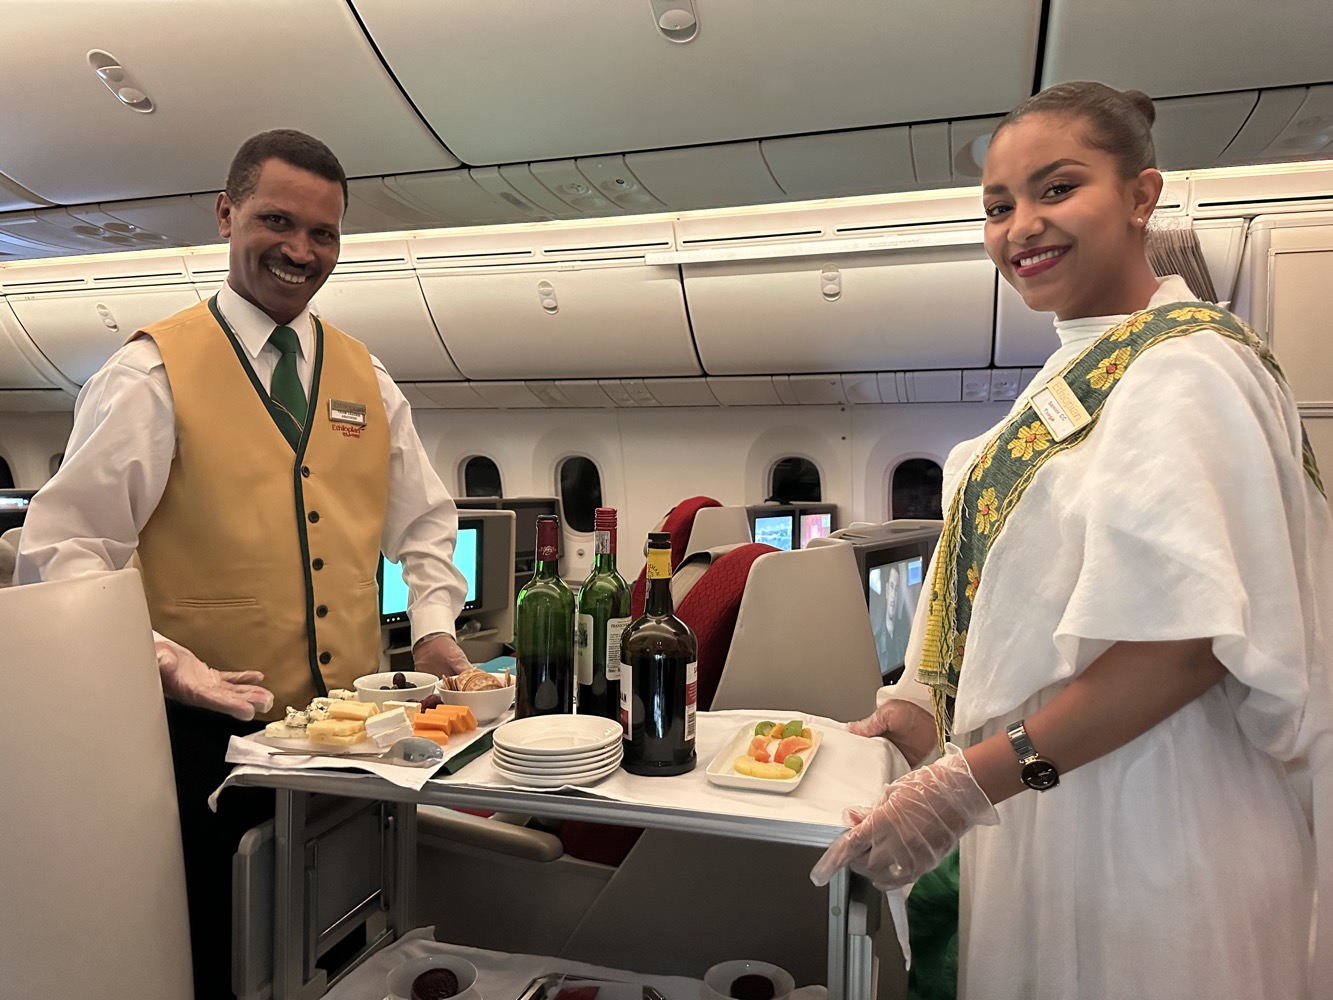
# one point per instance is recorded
(88, 517)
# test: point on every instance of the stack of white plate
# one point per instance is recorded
(547, 751)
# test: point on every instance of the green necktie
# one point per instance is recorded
(286, 385)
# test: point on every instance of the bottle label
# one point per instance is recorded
(601, 543)
(548, 553)
(691, 696)
(615, 631)
(659, 565)
(583, 633)
(626, 698)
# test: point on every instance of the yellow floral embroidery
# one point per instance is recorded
(1110, 369)
(983, 461)
(973, 579)
(1132, 325)
(1032, 438)
(987, 510)
(1193, 312)
(959, 646)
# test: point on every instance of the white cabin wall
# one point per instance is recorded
(651, 458)
(29, 443)
(885, 436)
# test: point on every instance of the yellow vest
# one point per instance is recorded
(258, 558)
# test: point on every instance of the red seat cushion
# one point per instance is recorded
(678, 524)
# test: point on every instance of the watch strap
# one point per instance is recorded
(1021, 742)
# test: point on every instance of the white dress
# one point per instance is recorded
(1182, 864)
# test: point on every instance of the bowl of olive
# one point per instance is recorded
(395, 685)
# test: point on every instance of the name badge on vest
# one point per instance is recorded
(347, 418)
(1059, 409)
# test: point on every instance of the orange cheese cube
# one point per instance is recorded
(436, 735)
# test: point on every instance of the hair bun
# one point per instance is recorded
(1143, 103)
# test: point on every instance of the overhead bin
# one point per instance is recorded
(1022, 335)
(585, 320)
(388, 314)
(605, 78)
(182, 56)
(922, 308)
(1188, 46)
(78, 331)
(22, 365)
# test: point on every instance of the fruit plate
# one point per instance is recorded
(722, 769)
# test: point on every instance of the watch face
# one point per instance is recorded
(1041, 775)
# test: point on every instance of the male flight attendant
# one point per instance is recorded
(258, 460)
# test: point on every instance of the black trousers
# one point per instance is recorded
(198, 746)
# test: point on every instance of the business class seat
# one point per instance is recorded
(678, 523)
(90, 853)
(802, 638)
(9, 545)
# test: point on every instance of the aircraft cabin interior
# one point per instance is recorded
(716, 265)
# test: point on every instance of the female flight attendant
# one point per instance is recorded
(1125, 636)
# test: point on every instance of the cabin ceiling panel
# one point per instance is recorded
(14, 198)
(185, 220)
(455, 198)
(1309, 131)
(505, 81)
(868, 161)
(707, 176)
(184, 56)
(1189, 46)
(1193, 131)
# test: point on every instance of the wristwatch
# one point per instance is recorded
(1038, 772)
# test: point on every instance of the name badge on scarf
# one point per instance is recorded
(1059, 409)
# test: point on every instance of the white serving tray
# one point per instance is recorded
(722, 769)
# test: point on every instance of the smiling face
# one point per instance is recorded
(1063, 225)
(284, 238)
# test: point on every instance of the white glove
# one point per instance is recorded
(186, 678)
(439, 654)
(905, 724)
(915, 825)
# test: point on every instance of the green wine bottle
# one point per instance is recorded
(603, 615)
(544, 632)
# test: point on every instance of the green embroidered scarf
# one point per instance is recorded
(1001, 472)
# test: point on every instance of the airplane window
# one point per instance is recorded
(6, 477)
(916, 489)
(481, 477)
(795, 480)
(580, 492)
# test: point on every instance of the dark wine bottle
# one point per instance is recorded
(603, 616)
(544, 632)
(659, 677)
